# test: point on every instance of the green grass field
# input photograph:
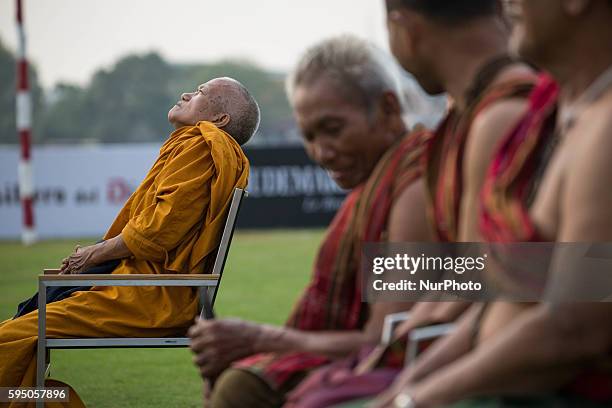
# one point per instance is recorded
(264, 275)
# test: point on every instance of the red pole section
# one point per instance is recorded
(24, 124)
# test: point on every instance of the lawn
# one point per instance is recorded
(264, 274)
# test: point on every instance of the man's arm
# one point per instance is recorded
(542, 348)
(218, 343)
(444, 351)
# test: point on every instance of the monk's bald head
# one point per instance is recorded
(223, 101)
(234, 99)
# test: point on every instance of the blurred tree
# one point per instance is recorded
(130, 101)
(125, 104)
(8, 130)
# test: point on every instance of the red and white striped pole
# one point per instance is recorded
(24, 123)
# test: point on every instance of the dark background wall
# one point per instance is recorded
(286, 189)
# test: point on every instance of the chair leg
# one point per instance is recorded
(207, 309)
(48, 363)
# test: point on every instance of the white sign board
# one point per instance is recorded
(78, 189)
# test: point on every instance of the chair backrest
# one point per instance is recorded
(224, 245)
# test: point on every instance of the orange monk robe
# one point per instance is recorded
(172, 224)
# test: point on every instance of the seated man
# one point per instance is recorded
(347, 103)
(459, 47)
(170, 224)
(549, 181)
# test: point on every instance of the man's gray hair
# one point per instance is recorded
(358, 67)
(365, 72)
(243, 110)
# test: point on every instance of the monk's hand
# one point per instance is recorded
(217, 343)
(81, 259)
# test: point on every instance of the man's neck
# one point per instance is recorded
(575, 75)
(585, 54)
(465, 53)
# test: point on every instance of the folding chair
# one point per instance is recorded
(208, 285)
(418, 338)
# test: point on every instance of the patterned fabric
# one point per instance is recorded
(445, 154)
(332, 301)
(511, 182)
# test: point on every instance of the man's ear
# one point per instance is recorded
(389, 104)
(390, 111)
(221, 120)
(406, 27)
(575, 7)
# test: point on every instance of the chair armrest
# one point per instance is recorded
(391, 321)
(130, 280)
(420, 337)
(431, 332)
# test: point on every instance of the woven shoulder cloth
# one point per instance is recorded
(513, 175)
(445, 153)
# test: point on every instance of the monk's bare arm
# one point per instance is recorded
(110, 249)
(488, 129)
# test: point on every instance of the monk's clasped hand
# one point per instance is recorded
(81, 259)
(217, 343)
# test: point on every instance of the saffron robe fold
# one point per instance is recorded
(510, 185)
(332, 301)
(444, 172)
(172, 224)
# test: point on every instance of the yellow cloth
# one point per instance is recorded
(171, 223)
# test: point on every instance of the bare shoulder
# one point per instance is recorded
(408, 219)
(495, 121)
(587, 203)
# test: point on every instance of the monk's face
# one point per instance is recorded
(339, 134)
(195, 106)
(537, 28)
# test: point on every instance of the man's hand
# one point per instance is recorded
(217, 343)
(81, 259)
(387, 399)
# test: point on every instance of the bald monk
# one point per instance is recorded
(170, 224)
(549, 181)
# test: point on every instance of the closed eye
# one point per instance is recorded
(331, 127)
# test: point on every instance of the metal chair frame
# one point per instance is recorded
(416, 336)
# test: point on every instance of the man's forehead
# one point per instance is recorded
(226, 83)
(393, 4)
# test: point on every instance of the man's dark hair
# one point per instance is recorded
(449, 11)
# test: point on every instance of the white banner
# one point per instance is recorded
(78, 190)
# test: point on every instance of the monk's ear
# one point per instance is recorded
(221, 120)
